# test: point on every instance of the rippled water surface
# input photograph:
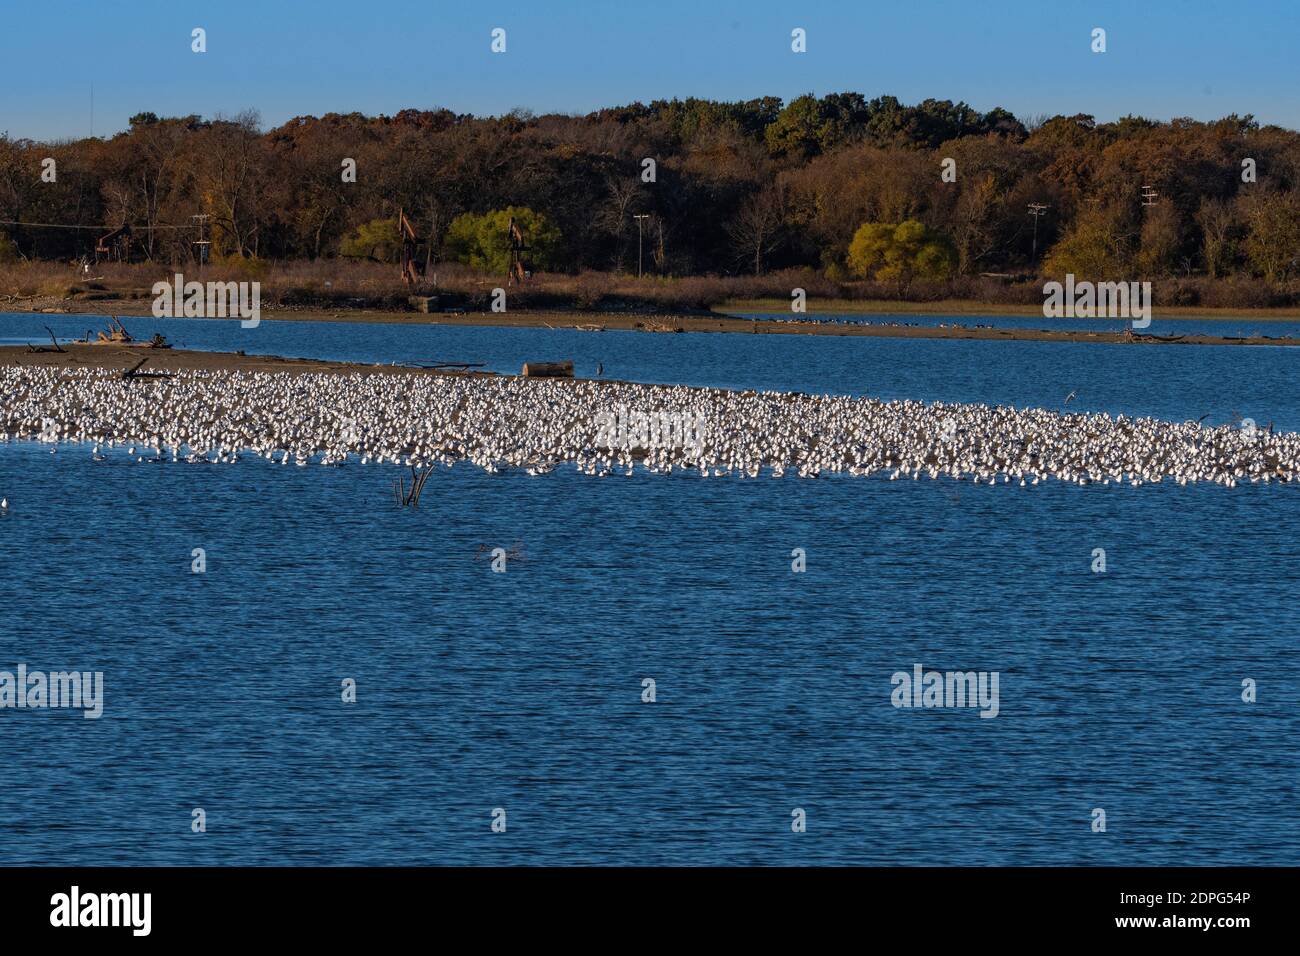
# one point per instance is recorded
(522, 690)
(1169, 381)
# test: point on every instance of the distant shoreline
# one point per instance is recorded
(977, 308)
(723, 322)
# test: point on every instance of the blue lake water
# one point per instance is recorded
(477, 690)
(1174, 382)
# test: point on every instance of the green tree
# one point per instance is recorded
(376, 239)
(799, 130)
(483, 241)
(900, 252)
(810, 126)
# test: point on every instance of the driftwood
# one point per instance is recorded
(116, 332)
(424, 364)
(548, 369)
(56, 347)
(411, 497)
(667, 324)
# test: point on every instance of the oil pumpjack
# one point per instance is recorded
(519, 269)
(412, 271)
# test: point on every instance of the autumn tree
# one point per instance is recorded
(1161, 241)
(1095, 248)
(1273, 238)
(900, 252)
(1220, 231)
(748, 185)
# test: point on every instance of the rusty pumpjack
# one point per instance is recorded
(519, 268)
(412, 271)
(115, 245)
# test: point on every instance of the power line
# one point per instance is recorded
(64, 225)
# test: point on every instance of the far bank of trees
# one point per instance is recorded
(849, 186)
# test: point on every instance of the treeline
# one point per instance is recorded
(733, 188)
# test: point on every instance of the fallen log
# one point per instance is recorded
(548, 369)
(429, 364)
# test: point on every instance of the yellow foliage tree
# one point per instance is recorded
(900, 252)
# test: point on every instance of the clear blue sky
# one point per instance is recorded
(1200, 58)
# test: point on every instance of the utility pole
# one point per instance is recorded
(638, 242)
(1037, 209)
(201, 220)
(1149, 196)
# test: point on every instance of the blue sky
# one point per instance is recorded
(1200, 58)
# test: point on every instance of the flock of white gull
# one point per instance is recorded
(499, 423)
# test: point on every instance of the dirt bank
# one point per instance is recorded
(173, 360)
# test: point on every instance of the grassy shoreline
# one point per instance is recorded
(729, 310)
